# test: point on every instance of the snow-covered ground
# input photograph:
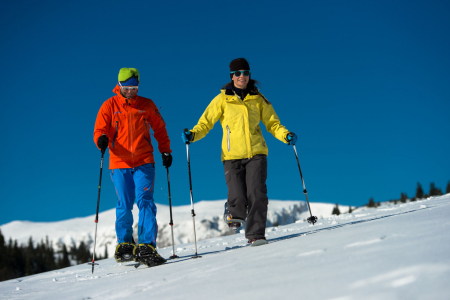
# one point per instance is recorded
(208, 220)
(390, 252)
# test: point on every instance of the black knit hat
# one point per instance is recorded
(238, 64)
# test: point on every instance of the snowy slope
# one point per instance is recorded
(391, 252)
(209, 223)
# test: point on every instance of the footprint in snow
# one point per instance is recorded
(319, 251)
(365, 243)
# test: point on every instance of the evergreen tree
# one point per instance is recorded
(371, 203)
(2, 249)
(49, 255)
(81, 254)
(63, 260)
(432, 189)
(447, 190)
(419, 191)
(18, 263)
(403, 197)
(106, 252)
(350, 210)
(336, 210)
(39, 258)
(29, 261)
(3, 256)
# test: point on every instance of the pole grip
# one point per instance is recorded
(186, 130)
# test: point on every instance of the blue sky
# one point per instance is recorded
(364, 84)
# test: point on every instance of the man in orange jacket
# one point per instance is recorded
(123, 125)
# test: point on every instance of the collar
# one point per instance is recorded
(229, 91)
(123, 100)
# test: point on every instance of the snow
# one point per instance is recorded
(389, 252)
(208, 222)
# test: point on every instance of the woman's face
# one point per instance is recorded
(241, 81)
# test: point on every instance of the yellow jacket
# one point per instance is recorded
(242, 136)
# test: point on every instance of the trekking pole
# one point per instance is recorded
(96, 215)
(192, 199)
(171, 221)
(312, 219)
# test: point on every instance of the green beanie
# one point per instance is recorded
(129, 77)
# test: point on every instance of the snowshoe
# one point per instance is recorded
(257, 242)
(146, 254)
(124, 252)
(233, 223)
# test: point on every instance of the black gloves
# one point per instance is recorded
(102, 143)
(167, 159)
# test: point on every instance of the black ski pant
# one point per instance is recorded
(247, 193)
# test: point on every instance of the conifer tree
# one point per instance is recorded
(447, 190)
(371, 203)
(29, 261)
(18, 263)
(81, 254)
(64, 260)
(3, 256)
(336, 210)
(432, 189)
(39, 258)
(2, 248)
(350, 210)
(403, 197)
(419, 191)
(49, 255)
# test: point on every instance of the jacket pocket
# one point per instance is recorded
(115, 134)
(260, 134)
(146, 131)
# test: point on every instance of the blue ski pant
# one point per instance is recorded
(135, 183)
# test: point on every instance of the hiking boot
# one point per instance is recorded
(257, 241)
(146, 254)
(124, 252)
(232, 223)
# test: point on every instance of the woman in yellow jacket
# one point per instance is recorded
(240, 107)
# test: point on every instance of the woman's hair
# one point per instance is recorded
(251, 86)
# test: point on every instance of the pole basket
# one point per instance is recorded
(312, 220)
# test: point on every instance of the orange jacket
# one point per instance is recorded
(126, 123)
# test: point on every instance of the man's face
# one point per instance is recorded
(129, 91)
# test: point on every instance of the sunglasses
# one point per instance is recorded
(129, 88)
(238, 73)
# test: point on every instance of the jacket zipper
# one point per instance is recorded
(130, 122)
(228, 138)
(115, 134)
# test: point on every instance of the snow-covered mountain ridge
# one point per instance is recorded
(389, 252)
(208, 222)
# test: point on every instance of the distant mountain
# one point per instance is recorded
(208, 222)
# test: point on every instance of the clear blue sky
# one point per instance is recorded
(364, 84)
